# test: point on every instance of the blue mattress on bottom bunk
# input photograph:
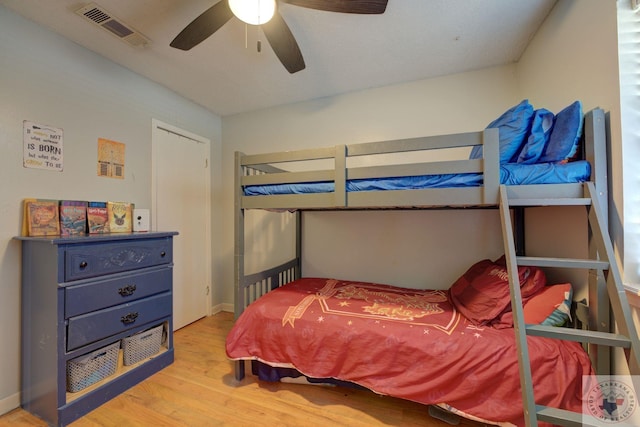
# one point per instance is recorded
(510, 174)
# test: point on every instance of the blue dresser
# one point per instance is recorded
(81, 295)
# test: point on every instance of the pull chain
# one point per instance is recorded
(259, 43)
(246, 34)
(246, 40)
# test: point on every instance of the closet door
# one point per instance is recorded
(181, 199)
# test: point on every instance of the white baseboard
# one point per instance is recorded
(9, 403)
(222, 307)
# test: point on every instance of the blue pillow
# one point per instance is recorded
(514, 125)
(541, 128)
(565, 136)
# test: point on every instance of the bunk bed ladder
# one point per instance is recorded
(603, 268)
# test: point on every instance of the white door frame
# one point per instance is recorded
(159, 126)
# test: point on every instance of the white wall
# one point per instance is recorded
(457, 103)
(49, 80)
(574, 57)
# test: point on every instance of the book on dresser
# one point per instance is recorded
(73, 218)
(119, 214)
(97, 218)
(41, 217)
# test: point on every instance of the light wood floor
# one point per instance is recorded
(198, 389)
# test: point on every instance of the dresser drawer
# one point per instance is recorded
(88, 328)
(101, 294)
(90, 260)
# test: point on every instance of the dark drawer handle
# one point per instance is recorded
(83, 264)
(163, 254)
(129, 318)
(127, 290)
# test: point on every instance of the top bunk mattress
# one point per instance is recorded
(510, 174)
(568, 152)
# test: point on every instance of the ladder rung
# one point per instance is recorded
(574, 419)
(579, 335)
(581, 201)
(559, 416)
(563, 262)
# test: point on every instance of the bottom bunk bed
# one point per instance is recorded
(452, 348)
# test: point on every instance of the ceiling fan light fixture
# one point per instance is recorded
(254, 12)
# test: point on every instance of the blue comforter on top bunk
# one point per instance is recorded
(536, 147)
(510, 174)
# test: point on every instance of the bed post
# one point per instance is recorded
(298, 270)
(595, 138)
(340, 177)
(238, 259)
(238, 228)
(491, 166)
(596, 153)
(519, 229)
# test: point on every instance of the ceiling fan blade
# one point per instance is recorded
(203, 26)
(344, 6)
(283, 43)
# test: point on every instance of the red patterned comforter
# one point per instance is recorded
(406, 343)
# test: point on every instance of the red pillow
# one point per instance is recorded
(542, 305)
(482, 293)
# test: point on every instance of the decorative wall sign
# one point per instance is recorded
(42, 147)
(110, 158)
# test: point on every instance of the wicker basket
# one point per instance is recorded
(142, 345)
(91, 368)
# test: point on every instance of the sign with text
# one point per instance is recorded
(42, 147)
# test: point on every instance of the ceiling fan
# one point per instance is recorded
(276, 29)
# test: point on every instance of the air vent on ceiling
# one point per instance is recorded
(99, 16)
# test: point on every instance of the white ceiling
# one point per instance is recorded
(412, 40)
